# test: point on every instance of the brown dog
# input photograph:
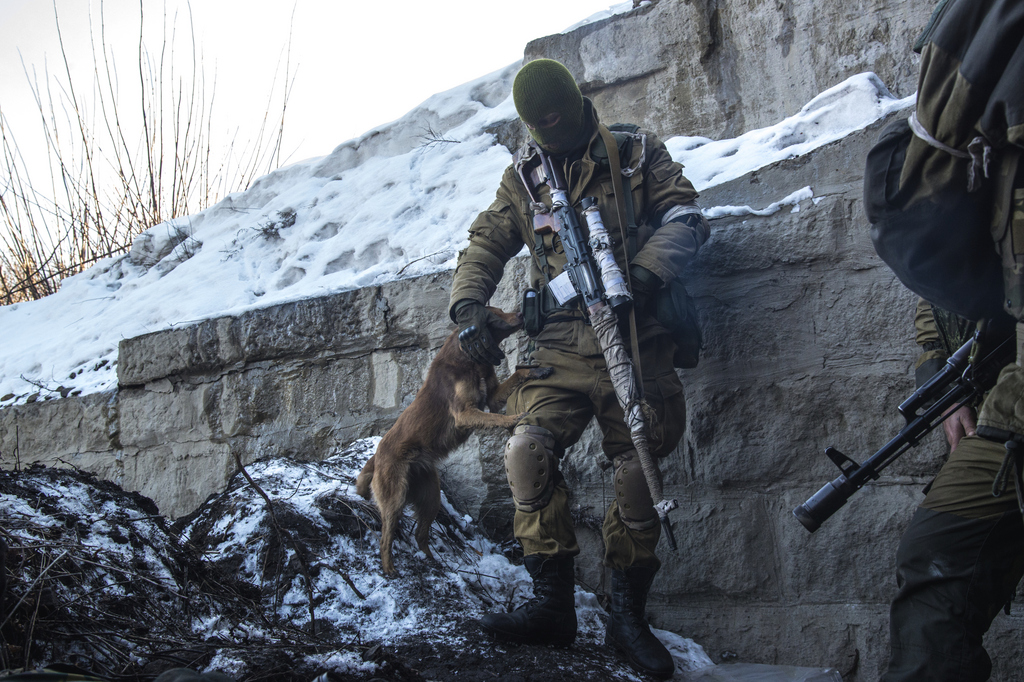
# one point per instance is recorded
(446, 410)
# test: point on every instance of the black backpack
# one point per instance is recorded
(941, 248)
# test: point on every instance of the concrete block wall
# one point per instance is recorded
(719, 68)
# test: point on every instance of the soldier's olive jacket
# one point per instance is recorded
(500, 232)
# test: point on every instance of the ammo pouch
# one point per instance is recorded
(943, 252)
(539, 306)
(533, 317)
(675, 311)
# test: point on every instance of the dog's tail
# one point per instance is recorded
(364, 478)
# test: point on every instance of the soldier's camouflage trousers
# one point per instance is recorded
(564, 404)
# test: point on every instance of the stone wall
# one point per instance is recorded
(809, 344)
(299, 379)
(719, 68)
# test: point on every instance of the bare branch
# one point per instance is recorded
(105, 185)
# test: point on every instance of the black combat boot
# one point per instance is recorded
(548, 618)
(628, 631)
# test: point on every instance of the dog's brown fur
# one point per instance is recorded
(446, 410)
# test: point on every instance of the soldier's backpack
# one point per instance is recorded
(940, 248)
(945, 194)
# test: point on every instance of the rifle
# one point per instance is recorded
(967, 375)
(578, 277)
(602, 296)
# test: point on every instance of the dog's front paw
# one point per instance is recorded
(540, 372)
(514, 419)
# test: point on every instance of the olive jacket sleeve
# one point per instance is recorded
(673, 244)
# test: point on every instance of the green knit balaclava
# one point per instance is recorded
(543, 87)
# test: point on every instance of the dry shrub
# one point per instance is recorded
(119, 165)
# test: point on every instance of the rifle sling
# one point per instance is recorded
(615, 167)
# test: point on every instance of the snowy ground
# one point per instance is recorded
(97, 578)
(393, 203)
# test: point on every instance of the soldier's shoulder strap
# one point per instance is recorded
(625, 134)
(528, 167)
(524, 154)
(623, 127)
(527, 164)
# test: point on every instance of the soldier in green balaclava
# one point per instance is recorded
(550, 104)
(666, 228)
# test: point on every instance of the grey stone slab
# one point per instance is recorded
(344, 324)
(178, 476)
(852, 557)
(720, 69)
(76, 429)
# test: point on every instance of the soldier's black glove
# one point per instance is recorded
(475, 337)
(645, 284)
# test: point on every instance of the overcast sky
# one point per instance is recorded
(356, 64)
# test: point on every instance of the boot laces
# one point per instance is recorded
(632, 606)
(544, 590)
(636, 615)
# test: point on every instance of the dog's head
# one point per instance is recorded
(506, 324)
